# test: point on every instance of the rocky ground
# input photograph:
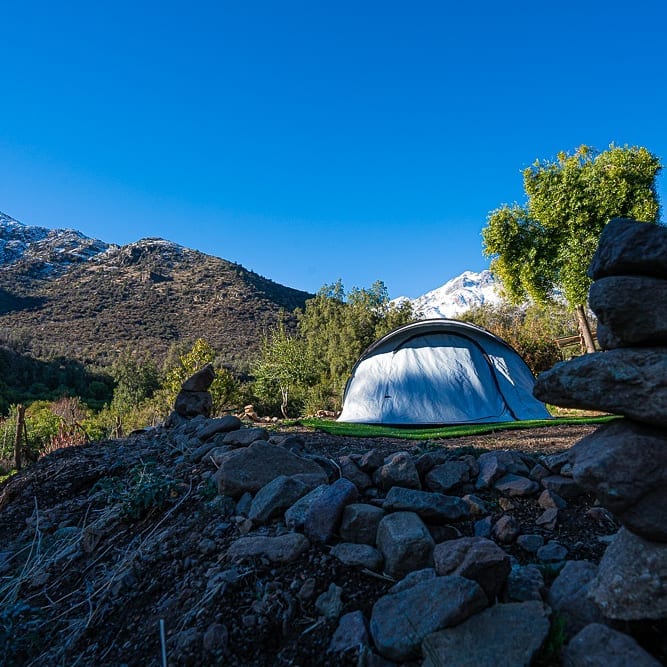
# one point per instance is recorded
(107, 546)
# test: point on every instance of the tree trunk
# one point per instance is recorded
(20, 428)
(585, 330)
(283, 406)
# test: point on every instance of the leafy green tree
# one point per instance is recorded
(547, 244)
(283, 365)
(136, 379)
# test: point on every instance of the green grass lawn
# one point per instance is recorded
(373, 431)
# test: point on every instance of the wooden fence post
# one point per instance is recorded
(20, 429)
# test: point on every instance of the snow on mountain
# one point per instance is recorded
(458, 295)
(46, 250)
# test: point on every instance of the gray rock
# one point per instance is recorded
(323, 516)
(216, 638)
(628, 247)
(360, 523)
(598, 645)
(281, 549)
(493, 465)
(475, 558)
(555, 462)
(426, 462)
(624, 464)
(524, 583)
(628, 382)
(512, 485)
(552, 552)
(506, 529)
(219, 425)
(413, 578)
(201, 380)
(550, 499)
(330, 603)
(632, 579)
(538, 473)
(245, 436)
(275, 497)
(371, 460)
(358, 555)
(565, 487)
(351, 633)
(530, 543)
(405, 543)
(193, 403)
(617, 302)
(484, 640)
(295, 516)
(448, 476)
(477, 505)
(401, 621)
(398, 470)
(482, 527)
(350, 470)
(435, 506)
(568, 596)
(548, 519)
(250, 468)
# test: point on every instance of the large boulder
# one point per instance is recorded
(625, 316)
(485, 639)
(251, 468)
(627, 381)
(400, 622)
(628, 247)
(624, 464)
(632, 579)
(405, 543)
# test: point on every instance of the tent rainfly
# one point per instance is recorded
(440, 372)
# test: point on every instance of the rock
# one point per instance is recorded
(475, 558)
(448, 476)
(427, 461)
(515, 485)
(550, 499)
(624, 464)
(552, 552)
(622, 322)
(565, 487)
(360, 523)
(371, 461)
(275, 497)
(628, 247)
(598, 645)
(627, 381)
(530, 543)
(358, 555)
(193, 403)
(250, 468)
(477, 505)
(482, 527)
(568, 596)
(632, 579)
(350, 470)
(413, 578)
(245, 436)
(295, 516)
(484, 640)
(329, 603)
(435, 506)
(323, 516)
(506, 529)
(401, 621)
(351, 633)
(555, 462)
(538, 473)
(548, 519)
(398, 470)
(441, 532)
(216, 638)
(201, 380)
(524, 583)
(220, 425)
(405, 543)
(281, 549)
(493, 465)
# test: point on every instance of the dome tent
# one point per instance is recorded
(440, 372)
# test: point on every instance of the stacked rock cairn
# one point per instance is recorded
(624, 462)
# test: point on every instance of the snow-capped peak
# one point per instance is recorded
(457, 295)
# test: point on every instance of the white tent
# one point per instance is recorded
(440, 372)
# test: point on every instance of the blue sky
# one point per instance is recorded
(311, 141)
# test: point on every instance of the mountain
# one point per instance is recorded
(62, 293)
(459, 294)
